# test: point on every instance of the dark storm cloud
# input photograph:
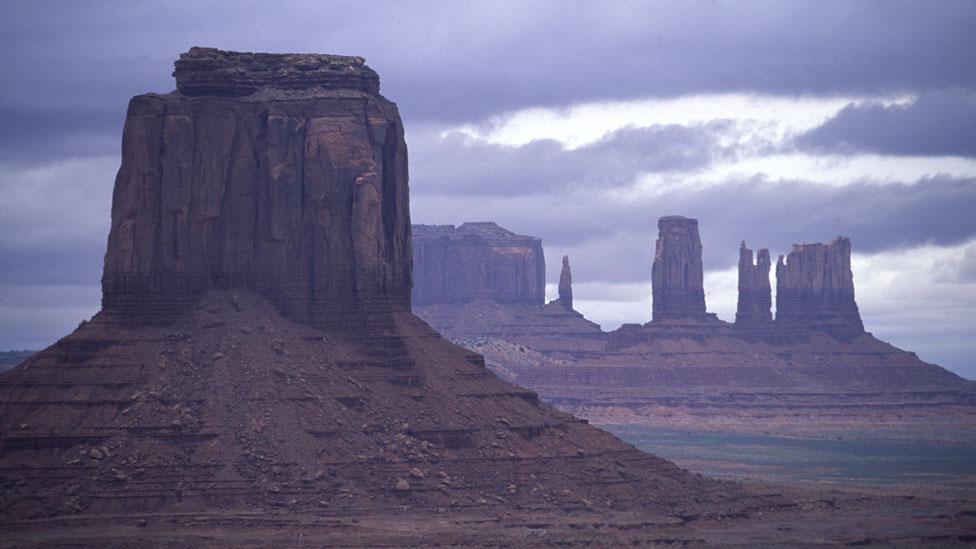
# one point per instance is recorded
(33, 135)
(938, 123)
(458, 165)
(766, 214)
(465, 61)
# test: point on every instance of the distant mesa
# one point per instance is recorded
(481, 280)
(477, 261)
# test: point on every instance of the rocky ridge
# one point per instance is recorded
(814, 359)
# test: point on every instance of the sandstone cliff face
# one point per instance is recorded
(755, 295)
(815, 289)
(677, 273)
(477, 261)
(566, 284)
(281, 174)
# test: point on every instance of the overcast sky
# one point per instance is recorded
(580, 123)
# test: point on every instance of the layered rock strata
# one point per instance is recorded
(755, 294)
(815, 289)
(477, 261)
(281, 174)
(677, 277)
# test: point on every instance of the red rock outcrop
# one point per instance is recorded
(281, 174)
(755, 295)
(566, 285)
(477, 261)
(815, 289)
(677, 284)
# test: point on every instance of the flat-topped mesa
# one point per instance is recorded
(755, 295)
(677, 273)
(302, 199)
(815, 289)
(477, 261)
(209, 71)
(566, 285)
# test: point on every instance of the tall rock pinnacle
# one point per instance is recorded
(677, 272)
(755, 294)
(815, 288)
(566, 284)
(284, 174)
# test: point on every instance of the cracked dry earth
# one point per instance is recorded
(236, 427)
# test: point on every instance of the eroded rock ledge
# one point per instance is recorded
(209, 71)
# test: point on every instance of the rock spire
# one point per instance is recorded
(566, 284)
(284, 174)
(815, 288)
(677, 273)
(755, 295)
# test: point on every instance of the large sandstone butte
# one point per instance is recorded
(677, 272)
(285, 175)
(477, 261)
(815, 289)
(260, 216)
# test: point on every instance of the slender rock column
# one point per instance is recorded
(755, 294)
(566, 285)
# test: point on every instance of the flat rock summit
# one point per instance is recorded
(256, 376)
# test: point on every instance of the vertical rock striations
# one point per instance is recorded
(815, 289)
(281, 174)
(477, 261)
(677, 273)
(755, 295)
(566, 285)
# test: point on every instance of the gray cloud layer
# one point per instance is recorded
(939, 123)
(764, 213)
(72, 64)
(459, 165)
